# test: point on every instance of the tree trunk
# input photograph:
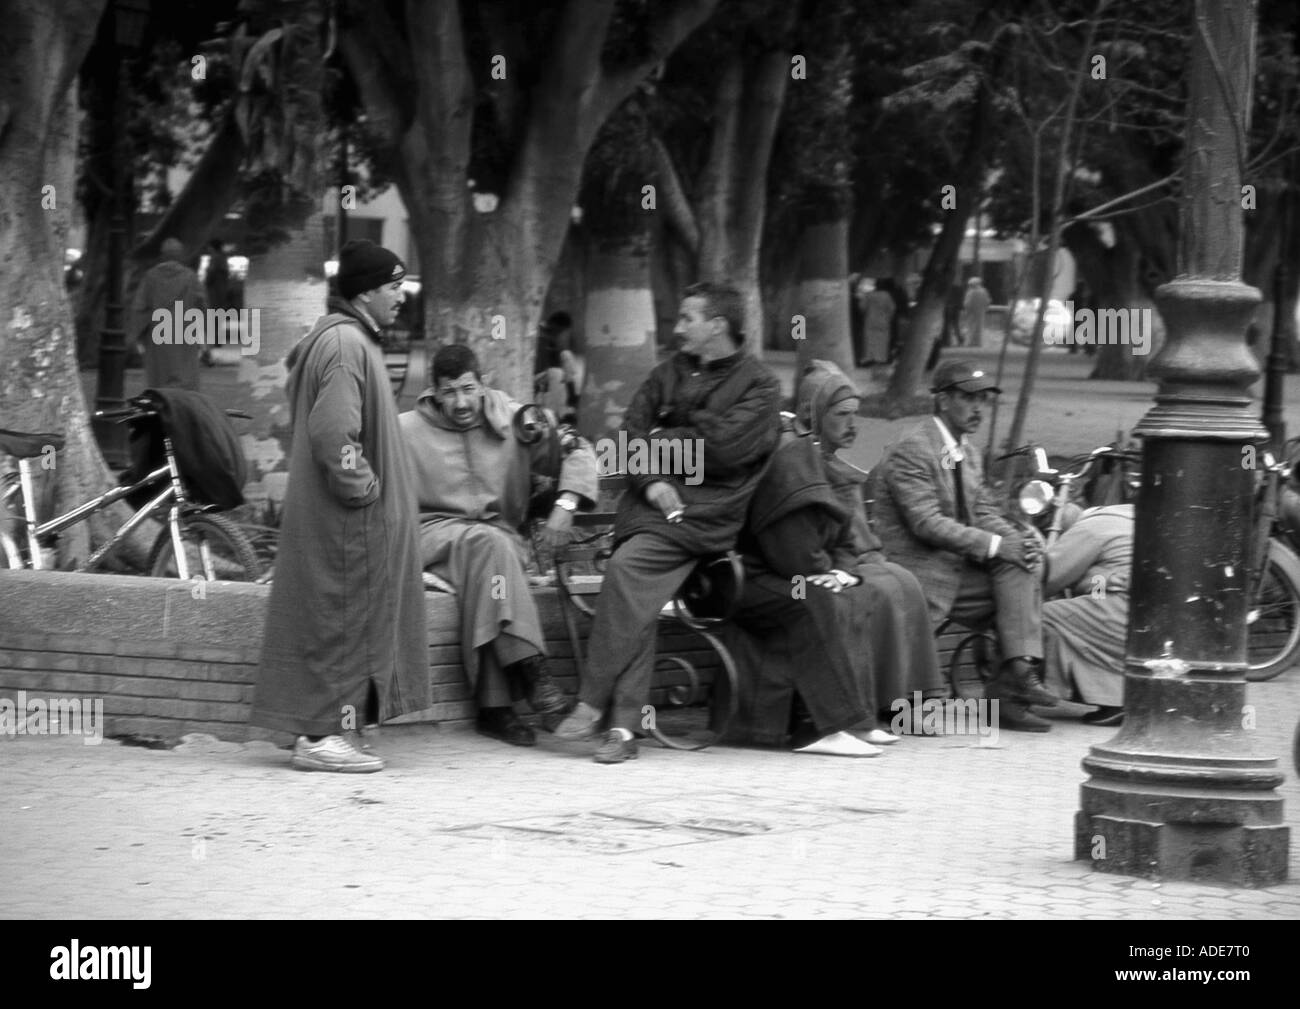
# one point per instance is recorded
(91, 298)
(926, 322)
(780, 292)
(486, 275)
(733, 201)
(96, 170)
(823, 296)
(620, 328)
(199, 208)
(1112, 276)
(494, 303)
(40, 386)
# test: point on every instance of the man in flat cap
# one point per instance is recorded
(345, 643)
(936, 516)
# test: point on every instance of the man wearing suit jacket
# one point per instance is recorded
(936, 516)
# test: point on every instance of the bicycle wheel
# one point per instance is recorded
(1273, 620)
(215, 550)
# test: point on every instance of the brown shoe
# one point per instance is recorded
(505, 725)
(1017, 717)
(1018, 680)
(544, 694)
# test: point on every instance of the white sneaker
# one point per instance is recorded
(364, 739)
(333, 753)
(841, 744)
(878, 736)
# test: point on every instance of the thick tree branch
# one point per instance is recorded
(681, 218)
(444, 102)
(366, 63)
(673, 22)
(207, 196)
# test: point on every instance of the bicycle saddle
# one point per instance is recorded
(28, 445)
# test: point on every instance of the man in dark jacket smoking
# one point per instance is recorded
(711, 401)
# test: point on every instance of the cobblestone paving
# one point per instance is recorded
(460, 826)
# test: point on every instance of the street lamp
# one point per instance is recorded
(1182, 791)
(130, 17)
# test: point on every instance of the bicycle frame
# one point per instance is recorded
(1265, 520)
(175, 491)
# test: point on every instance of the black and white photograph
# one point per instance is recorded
(651, 459)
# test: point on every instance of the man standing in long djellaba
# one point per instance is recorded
(345, 643)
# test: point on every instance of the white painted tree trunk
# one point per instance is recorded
(822, 298)
(620, 331)
(41, 48)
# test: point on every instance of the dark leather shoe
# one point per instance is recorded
(1018, 681)
(544, 694)
(614, 749)
(504, 724)
(1104, 715)
(1018, 718)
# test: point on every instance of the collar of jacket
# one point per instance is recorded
(717, 364)
(340, 306)
(497, 415)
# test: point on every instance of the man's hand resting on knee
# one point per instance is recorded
(1022, 550)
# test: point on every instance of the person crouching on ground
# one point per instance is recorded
(1084, 636)
(345, 643)
(473, 477)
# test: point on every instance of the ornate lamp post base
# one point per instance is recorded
(1180, 792)
(1176, 795)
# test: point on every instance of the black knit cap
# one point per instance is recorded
(363, 266)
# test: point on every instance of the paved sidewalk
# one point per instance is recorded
(459, 826)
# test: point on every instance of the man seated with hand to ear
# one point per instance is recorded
(474, 477)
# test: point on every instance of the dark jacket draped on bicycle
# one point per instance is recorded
(207, 448)
(347, 607)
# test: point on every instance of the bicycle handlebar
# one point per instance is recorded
(1105, 451)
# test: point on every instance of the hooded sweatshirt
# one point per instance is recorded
(482, 472)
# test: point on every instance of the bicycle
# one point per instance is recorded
(1041, 502)
(194, 543)
(1273, 583)
(1273, 620)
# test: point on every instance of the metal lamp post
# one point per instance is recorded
(1182, 792)
(129, 20)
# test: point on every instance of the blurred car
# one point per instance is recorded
(1057, 321)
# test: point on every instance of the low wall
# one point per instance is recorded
(166, 663)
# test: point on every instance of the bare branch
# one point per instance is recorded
(1089, 214)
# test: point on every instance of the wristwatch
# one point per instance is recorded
(567, 504)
